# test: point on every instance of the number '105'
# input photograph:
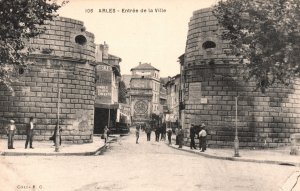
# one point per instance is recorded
(88, 10)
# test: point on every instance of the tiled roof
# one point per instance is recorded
(144, 66)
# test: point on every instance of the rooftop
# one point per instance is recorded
(144, 66)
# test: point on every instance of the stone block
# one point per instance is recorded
(45, 99)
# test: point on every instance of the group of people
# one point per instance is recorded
(198, 132)
(162, 131)
(30, 127)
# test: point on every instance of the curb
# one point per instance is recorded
(297, 164)
(102, 149)
(52, 154)
(99, 151)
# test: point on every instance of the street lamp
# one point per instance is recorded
(236, 139)
(57, 131)
(58, 108)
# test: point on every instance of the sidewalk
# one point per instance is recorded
(46, 148)
(270, 156)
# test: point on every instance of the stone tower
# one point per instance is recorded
(210, 88)
(144, 92)
(63, 57)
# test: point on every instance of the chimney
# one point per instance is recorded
(140, 63)
(98, 53)
(104, 48)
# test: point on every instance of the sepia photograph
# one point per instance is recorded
(149, 95)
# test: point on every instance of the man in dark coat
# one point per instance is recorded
(163, 131)
(192, 136)
(29, 133)
(148, 132)
(157, 133)
(180, 137)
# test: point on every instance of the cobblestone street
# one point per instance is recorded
(144, 166)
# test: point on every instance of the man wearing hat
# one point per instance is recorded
(29, 133)
(202, 138)
(180, 137)
(10, 130)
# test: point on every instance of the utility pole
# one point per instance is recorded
(57, 131)
(236, 139)
(58, 108)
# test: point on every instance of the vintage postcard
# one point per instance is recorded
(147, 95)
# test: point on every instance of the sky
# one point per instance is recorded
(154, 37)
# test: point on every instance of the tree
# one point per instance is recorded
(264, 36)
(20, 20)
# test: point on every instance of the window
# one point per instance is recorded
(208, 44)
(80, 39)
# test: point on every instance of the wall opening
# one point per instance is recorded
(208, 44)
(80, 39)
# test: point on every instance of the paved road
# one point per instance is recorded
(144, 166)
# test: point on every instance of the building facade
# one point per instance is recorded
(108, 108)
(210, 90)
(144, 93)
(173, 91)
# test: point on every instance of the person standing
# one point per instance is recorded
(176, 133)
(192, 136)
(180, 137)
(29, 133)
(157, 132)
(202, 138)
(169, 132)
(163, 131)
(137, 133)
(148, 132)
(105, 134)
(55, 133)
(10, 131)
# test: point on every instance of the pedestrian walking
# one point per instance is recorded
(180, 137)
(157, 133)
(176, 134)
(192, 136)
(53, 138)
(137, 133)
(143, 126)
(10, 131)
(163, 131)
(148, 132)
(29, 133)
(169, 132)
(202, 138)
(105, 134)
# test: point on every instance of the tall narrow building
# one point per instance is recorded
(144, 93)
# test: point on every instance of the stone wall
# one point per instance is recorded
(59, 58)
(264, 119)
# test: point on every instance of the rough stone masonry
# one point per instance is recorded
(63, 56)
(264, 119)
